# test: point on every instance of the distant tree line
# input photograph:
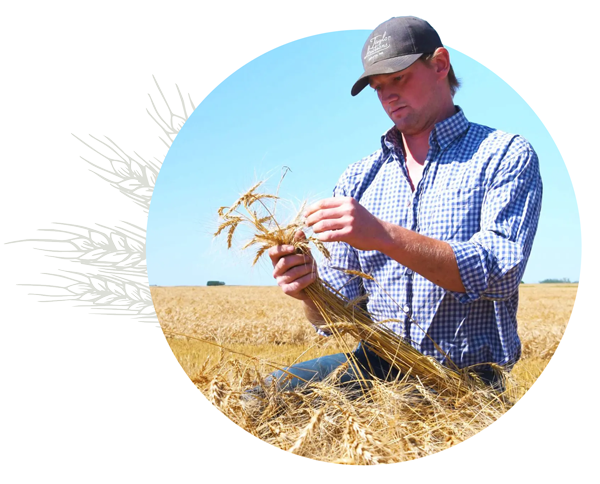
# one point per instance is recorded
(554, 281)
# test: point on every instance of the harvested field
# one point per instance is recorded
(262, 329)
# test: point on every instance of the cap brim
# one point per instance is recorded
(387, 66)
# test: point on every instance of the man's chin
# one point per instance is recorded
(403, 126)
(403, 121)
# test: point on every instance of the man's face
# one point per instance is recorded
(411, 98)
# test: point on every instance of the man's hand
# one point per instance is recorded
(293, 271)
(343, 219)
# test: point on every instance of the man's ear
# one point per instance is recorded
(441, 61)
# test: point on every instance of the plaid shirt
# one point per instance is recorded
(481, 192)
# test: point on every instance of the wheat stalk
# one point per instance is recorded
(314, 421)
(360, 443)
(219, 392)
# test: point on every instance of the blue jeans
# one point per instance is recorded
(363, 366)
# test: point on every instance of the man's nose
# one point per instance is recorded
(389, 95)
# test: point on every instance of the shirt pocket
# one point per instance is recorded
(453, 215)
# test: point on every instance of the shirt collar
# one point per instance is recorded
(443, 133)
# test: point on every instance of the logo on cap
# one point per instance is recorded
(376, 46)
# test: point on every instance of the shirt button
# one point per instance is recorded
(406, 309)
(409, 272)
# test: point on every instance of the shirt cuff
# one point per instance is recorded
(473, 263)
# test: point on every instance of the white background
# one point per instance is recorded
(102, 399)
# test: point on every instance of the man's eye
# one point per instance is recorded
(397, 78)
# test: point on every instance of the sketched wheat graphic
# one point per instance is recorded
(134, 178)
(118, 254)
(173, 122)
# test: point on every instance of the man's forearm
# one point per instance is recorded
(433, 259)
(312, 313)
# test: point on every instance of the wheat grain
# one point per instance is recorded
(314, 421)
(219, 392)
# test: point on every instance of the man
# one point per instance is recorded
(443, 217)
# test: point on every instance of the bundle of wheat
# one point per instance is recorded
(341, 315)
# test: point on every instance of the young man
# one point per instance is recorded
(443, 216)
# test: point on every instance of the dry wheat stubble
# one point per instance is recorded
(392, 424)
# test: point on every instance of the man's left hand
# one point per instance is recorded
(343, 219)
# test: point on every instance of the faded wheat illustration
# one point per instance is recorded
(118, 250)
(172, 122)
(133, 177)
(118, 255)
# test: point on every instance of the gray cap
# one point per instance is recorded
(395, 45)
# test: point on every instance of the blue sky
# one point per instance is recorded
(292, 107)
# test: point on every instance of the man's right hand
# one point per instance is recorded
(292, 271)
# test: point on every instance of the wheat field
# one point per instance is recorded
(228, 338)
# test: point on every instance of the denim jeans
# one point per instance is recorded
(363, 366)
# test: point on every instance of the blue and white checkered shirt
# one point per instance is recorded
(481, 192)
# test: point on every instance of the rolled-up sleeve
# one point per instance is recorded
(492, 262)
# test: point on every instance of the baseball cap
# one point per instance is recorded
(395, 45)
